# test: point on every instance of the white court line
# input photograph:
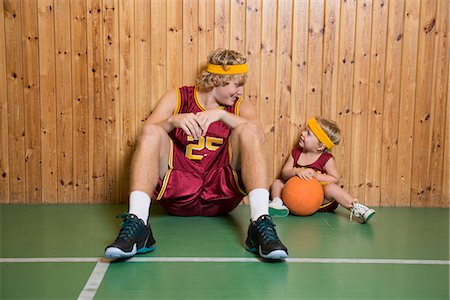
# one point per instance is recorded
(90, 289)
(94, 281)
(232, 259)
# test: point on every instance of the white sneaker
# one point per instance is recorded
(361, 211)
(277, 208)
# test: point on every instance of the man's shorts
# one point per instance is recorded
(191, 193)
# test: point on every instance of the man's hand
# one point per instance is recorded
(207, 117)
(189, 123)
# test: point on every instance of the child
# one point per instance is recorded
(312, 159)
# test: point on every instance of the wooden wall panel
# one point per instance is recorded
(78, 78)
(16, 110)
(4, 146)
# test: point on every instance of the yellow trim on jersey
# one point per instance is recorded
(198, 102)
(327, 204)
(235, 175)
(236, 107)
(167, 175)
(227, 70)
(178, 105)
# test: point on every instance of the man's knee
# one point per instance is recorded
(250, 132)
(151, 132)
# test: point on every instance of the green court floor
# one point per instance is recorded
(54, 252)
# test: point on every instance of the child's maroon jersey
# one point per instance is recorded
(200, 180)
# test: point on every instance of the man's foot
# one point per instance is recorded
(361, 211)
(277, 208)
(263, 240)
(134, 237)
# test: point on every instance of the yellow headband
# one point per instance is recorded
(319, 133)
(231, 69)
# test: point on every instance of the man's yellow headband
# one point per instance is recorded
(230, 69)
(319, 133)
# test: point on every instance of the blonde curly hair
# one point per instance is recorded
(224, 57)
(331, 128)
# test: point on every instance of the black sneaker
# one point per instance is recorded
(263, 239)
(134, 237)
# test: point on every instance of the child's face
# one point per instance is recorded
(308, 140)
(228, 94)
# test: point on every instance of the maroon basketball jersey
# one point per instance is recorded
(318, 165)
(208, 152)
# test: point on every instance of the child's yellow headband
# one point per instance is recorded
(230, 69)
(319, 133)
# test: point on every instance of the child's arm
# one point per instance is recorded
(331, 174)
(288, 170)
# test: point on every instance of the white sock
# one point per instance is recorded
(259, 203)
(140, 205)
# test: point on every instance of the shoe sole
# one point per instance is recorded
(114, 252)
(278, 212)
(274, 255)
(369, 216)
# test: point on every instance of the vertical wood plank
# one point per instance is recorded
(446, 176)
(376, 100)
(127, 110)
(359, 106)
(407, 103)
(330, 58)
(143, 60)
(112, 101)
(237, 25)
(268, 79)
(391, 103)
(47, 94)
(4, 146)
(80, 102)
(16, 109)
(299, 71)
(315, 54)
(64, 101)
(30, 41)
(159, 50)
(423, 115)
(253, 52)
(175, 38)
(97, 125)
(283, 87)
(222, 24)
(345, 88)
(190, 41)
(439, 99)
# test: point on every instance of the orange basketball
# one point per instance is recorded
(302, 197)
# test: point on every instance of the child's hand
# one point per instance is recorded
(307, 174)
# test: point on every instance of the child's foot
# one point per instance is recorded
(361, 211)
(277, 208)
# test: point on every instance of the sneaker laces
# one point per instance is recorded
(357, 210)
(129, 226)
(267, 230)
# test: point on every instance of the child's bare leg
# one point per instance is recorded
(334, 191)
(276, 206)
(346, 200)
(276, 188)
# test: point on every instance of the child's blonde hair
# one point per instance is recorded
(223, 57)
(331, 129)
